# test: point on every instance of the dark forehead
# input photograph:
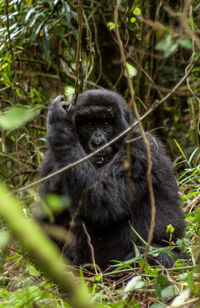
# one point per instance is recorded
(100, 101)
(101, 97)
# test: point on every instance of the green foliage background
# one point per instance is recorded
(37, 62)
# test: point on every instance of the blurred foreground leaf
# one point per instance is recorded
(42, 250)
(16, 116)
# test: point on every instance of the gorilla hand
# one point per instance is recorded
(60, 126)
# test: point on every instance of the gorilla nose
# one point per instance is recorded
(97, 143)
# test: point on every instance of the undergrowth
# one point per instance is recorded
(23, 285)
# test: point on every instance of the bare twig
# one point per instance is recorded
(184, 22)
(147, 144)
(91, 247)
(90, 47)
(192, 204)
(97, 46)
(8, 29)
(78, 54)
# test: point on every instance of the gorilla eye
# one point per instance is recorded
(89, 124)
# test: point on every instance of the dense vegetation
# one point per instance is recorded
(160, 41)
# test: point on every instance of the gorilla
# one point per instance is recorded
(109, 193)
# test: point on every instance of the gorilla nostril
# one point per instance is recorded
(94, 145)
(100, 144)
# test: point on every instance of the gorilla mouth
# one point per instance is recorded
(100, 160)
(103, 157)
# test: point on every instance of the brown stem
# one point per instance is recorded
(78, 55)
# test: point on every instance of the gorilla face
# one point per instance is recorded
(93, 134)
(98, 121)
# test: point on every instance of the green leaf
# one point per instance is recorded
(162, 281)
(4, 238)
(119, 304)
(186, 43)
(137, 11)
(111, 25)
(16, 116)
(180, 149)
(29, 13)
(170, 50)
(180, 299)
(33, 271)
(45, 43)
(170, 229)
(131, 70)
(162, 45)
(132, 20)
(135, 283)
(168, 293)
(69, 92)
(167, 45)
(57, 204)
(190, 280)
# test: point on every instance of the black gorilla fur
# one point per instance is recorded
(103, 195)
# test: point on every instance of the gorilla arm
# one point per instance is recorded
(101, 191)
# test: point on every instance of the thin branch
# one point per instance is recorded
(90, 47)
(8, 29)
(78, 55)
(91, 247)
(146, 142)
(97, 45)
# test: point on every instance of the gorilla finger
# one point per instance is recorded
(58, 99)
(58, 102)
(59, 105)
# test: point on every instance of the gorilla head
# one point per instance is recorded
(101, 115)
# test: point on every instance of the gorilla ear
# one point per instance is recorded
(128, 113)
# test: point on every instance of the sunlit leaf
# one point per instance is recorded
(111, 25)
(33, 271)
(69, 92)
(4, 238)
(180, 299)
(29, 13)
(170, 229)
(131, 70)
(135, 283)
(132, 20)
(137, 11)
